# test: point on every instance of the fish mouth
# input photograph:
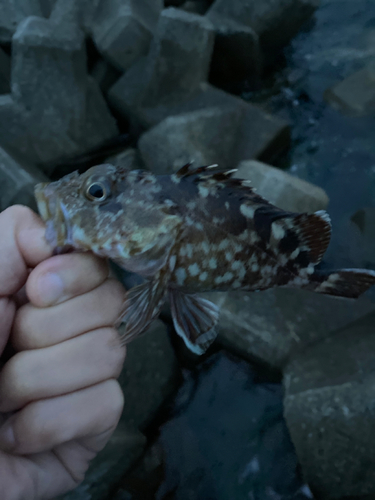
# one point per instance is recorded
(59, 232)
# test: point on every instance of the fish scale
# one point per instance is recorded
(194, 231)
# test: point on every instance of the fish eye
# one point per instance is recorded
(96, 191)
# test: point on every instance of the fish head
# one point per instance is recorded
(83, 212)
(111, 211)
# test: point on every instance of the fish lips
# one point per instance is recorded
(55, 215)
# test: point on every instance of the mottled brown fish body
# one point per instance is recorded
(197, 230)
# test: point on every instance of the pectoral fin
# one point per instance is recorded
(142, 305)
(194, 319)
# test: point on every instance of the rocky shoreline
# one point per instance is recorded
(75, 75)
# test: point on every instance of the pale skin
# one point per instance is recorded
(59, 397)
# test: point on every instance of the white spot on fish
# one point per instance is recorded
(189, 250)
(172, 263)
(212, 263)
(180, 275)
(224, 279)
(247, 211)
(229, 256)
(205, 247)
(294, 254)
(203, 276)
(277, 231)
(191, 205)
(227, 205)
(238, 266)
(223, 244)
(194, 269)
(203, 191)
(236, 284)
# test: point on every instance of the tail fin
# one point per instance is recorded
(350, 283)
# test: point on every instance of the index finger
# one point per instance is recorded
(22, 245)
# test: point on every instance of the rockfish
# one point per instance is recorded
(194, 231)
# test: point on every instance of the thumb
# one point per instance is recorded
(22, 245)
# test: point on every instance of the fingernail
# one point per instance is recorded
(51, 288)
(7, 440)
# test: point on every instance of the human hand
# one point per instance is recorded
(59, 386)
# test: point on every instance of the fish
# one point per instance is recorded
(197, 230)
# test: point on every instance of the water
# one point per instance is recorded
(330, 149)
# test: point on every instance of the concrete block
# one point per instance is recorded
(237, 56)
(55, 109)
(17, 181)
(222, 134)
(363, 223)
(177, 63)
(122, 30)
(196, 6)
(356, 94)
(276, 22)
(329, 407)
(259, 134)
(12, 12)
(271, 326)
(105, 75)
(151, 370)
(124, 448)
(4, 72)
(282, 189)
(205, 136)
(129, 159)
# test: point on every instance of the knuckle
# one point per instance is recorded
(12, 381)
(115, 352)
(18, 212)
(115, 402)
(22, 331)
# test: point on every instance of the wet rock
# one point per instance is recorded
(129, 159)
(47, 7)
(205, 137)
(225, 437)
(17, 182)
(12, 12)
(276, 22)
(237, 56)
(176, 65)
(150, 375)
(355, 94)
(329, 406)
(55, 109)
(271, 326)
(364, 221)
(122, 30)
(4, 72)
(282, 189)
(105, 75)
(196, 6)
(123, 449)
(223, 129)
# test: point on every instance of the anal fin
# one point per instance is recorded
(194, 319)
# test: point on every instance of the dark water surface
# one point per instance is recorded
(226, 438)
